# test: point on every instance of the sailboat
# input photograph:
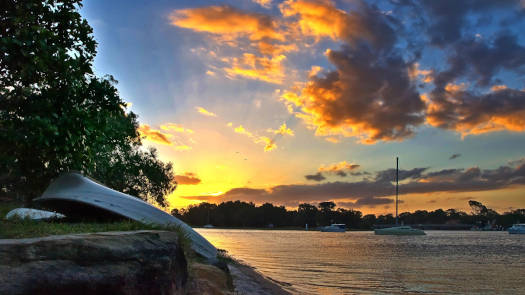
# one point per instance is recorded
(402, 230)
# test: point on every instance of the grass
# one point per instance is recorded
(23, 228)
(26, 228)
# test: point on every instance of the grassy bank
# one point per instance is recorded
(26, 228)
(16, 229)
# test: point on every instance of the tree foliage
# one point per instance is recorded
(242, 214)
(56, 115)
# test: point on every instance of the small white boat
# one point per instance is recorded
(34, 214)
(336, 227)
(399, 231)
(209, 226)
(518, 228)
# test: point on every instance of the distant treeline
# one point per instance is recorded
(243, 214)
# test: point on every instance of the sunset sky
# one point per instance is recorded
(308, 101)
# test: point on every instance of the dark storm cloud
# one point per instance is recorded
(480, 59)
(370, 92)
(341, 173)
(447, 18)
(443, 173)
(296, 193)
(316, 177)
(370, 193)
(457, 102)
(468, 113)
(389, 175)
(454, 156)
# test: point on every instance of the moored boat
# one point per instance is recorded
(518, 228)
(399, 230)
(336, 227)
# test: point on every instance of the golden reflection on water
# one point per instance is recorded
(363, 263)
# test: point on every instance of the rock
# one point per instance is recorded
(138, 262)
(208, 279)
(246, 280)
(33, 214)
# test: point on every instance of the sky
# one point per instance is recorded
(309, 101)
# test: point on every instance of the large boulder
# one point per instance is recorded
(138, 262)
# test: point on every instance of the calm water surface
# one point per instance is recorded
(442, 262)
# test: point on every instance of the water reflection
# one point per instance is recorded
(363, 263)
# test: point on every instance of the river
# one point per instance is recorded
(442, 262)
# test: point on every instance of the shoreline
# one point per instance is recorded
(88, 253)
(247, 280)
(318, 230)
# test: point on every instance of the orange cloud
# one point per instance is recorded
(415, 72)
(332, 139)
(283, 130)
(241, 130)
(498, 87)
(187, 178)
(338, 167)
(322, 18)
(154, 135)
(470, 114)
(451, 87)
(264, 3)
(254, 67)
(227, 21)
(274, 49)
(175, 127)
(262, 40)
(269, 144)
(362, 98)
(205, 112)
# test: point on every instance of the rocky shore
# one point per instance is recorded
(134, 262)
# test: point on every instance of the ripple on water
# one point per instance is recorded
(363, 263)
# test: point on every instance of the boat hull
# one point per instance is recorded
(516, 231)
(74, 188)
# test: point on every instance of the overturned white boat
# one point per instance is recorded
(399, 231)
(33, 214)
(76, 195)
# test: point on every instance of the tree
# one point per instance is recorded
(307, 214)
(136, 172)
(477, 207)
(326, 206)
(56, 115)
(482, 213)
(326, 213)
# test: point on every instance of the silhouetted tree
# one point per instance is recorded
(242, 214)
(56, 115)
(325, 213)
(307, 214)
(483, 214)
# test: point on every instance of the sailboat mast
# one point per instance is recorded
(397, 185)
